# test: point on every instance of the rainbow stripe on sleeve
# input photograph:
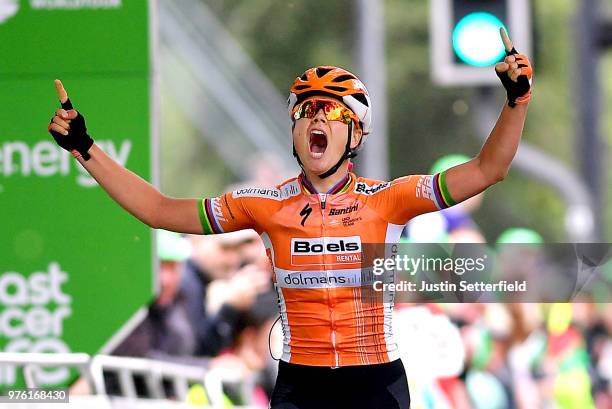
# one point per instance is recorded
(443, 197)
(207, 218)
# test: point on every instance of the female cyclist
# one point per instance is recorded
(338, 352)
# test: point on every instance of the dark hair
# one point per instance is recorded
(264, 309)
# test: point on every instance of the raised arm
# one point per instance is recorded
(129, 190)
(492, 164)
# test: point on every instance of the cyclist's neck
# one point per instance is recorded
(330, 182)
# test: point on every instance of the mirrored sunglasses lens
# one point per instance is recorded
(333, 111)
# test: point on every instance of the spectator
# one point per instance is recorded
(166, 329)
(217, 289)
(248, 361)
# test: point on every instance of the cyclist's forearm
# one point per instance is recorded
(132, 192)
(500, 147)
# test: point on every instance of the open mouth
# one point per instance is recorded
(318, 143)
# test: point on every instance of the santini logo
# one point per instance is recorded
(325, 245)
(8, 8)
(346, 210)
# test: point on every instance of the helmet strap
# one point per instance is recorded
(295, 154)
(297, 157)
(348, 153)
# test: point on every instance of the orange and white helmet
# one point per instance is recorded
(338, 83)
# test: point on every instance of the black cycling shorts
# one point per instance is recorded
(381, 386)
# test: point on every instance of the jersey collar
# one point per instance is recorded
(340, 187)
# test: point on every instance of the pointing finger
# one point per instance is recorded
(61, 92)
(507, 43)
(63, 95)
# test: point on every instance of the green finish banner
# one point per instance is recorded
(74, 266)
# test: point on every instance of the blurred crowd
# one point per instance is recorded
(507, 355)
(217, 307)
(512, 355)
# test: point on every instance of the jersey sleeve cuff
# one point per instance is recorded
(204, 218)
(442, 194)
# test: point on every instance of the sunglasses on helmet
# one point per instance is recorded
(333, 110)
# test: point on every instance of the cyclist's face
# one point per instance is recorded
(320, 142)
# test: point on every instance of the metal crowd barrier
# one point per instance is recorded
(30, 362)
(153, 372)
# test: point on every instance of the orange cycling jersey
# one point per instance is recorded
(314, 241)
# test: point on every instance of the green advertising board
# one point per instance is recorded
(74, 266)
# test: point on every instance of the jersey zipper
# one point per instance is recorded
(323, 199)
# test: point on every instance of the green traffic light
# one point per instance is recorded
(476, 39)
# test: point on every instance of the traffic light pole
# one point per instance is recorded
(372, 69)
(590, 148)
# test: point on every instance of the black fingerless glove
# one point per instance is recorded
(518, 92)
(77, 141)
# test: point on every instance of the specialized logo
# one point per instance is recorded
(366, 189)
(346, 210)
(325, 250)
(305, 213)
(8, 8)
